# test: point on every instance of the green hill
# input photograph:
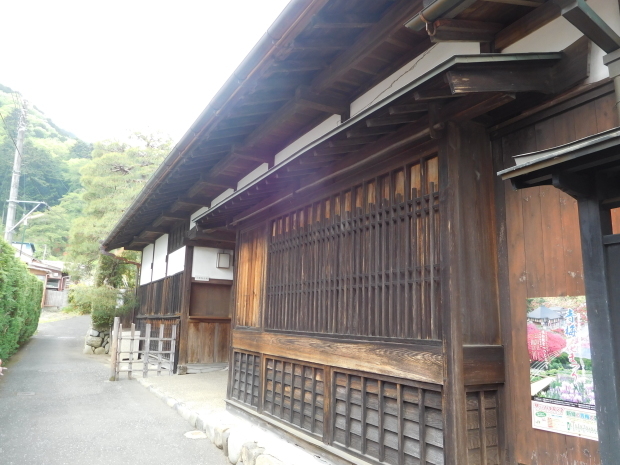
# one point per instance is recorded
(52, 158)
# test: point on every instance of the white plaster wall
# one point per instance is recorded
(203, 267)
(176, 262)
(147, 260)
(262, 169)
(559, 34)
(222, 196)
(329, 124)
(423, 63)
(195, 215)
(159, 257)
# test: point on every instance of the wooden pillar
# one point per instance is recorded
(469, 299)
(601, 264)
(184, 310)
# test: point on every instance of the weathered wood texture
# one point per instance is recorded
(469, 270)
(420, 361)
(210, 300)
(386, 420)
(245, 385)
(540, 245)
(208, 341)
(176, 236)
(294, 392)
(250, 271)
(162, 297)
(361, 262)
(482, 428)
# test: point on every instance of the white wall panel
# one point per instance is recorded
(159, 257)
(222, 196)
(559, 34)
(176, 262)
(196, 214)
(313, 134)
(147, 261)
(247, 179)
(204, 264)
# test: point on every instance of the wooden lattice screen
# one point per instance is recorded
(294, 392)
(250, 276)
(362, 262)
(246, 378)
(482, 437)
(387, 421)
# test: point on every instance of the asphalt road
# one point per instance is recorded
(57, 407)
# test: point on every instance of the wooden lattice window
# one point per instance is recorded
(482, 437)
(246, 378)
(363, 262)
(294, 392)
(250, 276)
(387, 421)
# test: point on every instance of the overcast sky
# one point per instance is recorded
(100, 69)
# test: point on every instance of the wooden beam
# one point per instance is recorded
(464, 30)
(197, 233)
(584, 18)
(464, 81)
(368, 41)
(391, 120)
(353, 141)
(347, 21)
(328, 104)
(526, 25)
(166, 216)
(327, 150)
(366, 131)
(472, 106)
(320, 45)
(153, 230)
(296, 66)
(530, 3)
(408, 108)
(433, 94)
(182, 203)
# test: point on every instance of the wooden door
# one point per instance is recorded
(209, 323)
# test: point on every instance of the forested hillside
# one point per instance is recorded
(87, 186)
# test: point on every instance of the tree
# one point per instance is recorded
(111, 180)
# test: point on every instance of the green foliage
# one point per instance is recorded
(116, 273)
(20, 302)
(103, 303)
(111, 180)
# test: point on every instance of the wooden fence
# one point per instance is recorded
(157, 353)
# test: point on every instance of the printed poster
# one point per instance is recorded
(561, 383)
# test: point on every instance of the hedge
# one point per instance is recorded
(20, 301)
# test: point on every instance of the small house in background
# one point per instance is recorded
(380, 269)
(546, 317)
(51, 273)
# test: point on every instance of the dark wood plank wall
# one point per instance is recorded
(363, 262)
(162, 297)
(540, 255)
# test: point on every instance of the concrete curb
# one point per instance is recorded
(240, 440)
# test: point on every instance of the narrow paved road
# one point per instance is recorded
(57, 408)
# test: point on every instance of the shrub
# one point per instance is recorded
(103, 303)
(20, 302)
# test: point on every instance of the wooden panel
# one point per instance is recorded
(210, 300)
(482, 428)
(615, 220)
(162, 297)
(543, 249)
(422, 362)
(245, 378)
(208, 341)
(295, 393)
(387, 421)
(250, 276)
(361, 262)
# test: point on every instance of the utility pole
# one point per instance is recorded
(17, 161)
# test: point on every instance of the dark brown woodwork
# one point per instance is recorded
(527, 24)
(167, 217)
(325, 103)
(464, 30)
(408, 108)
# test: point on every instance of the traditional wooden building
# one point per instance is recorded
(381, 268)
